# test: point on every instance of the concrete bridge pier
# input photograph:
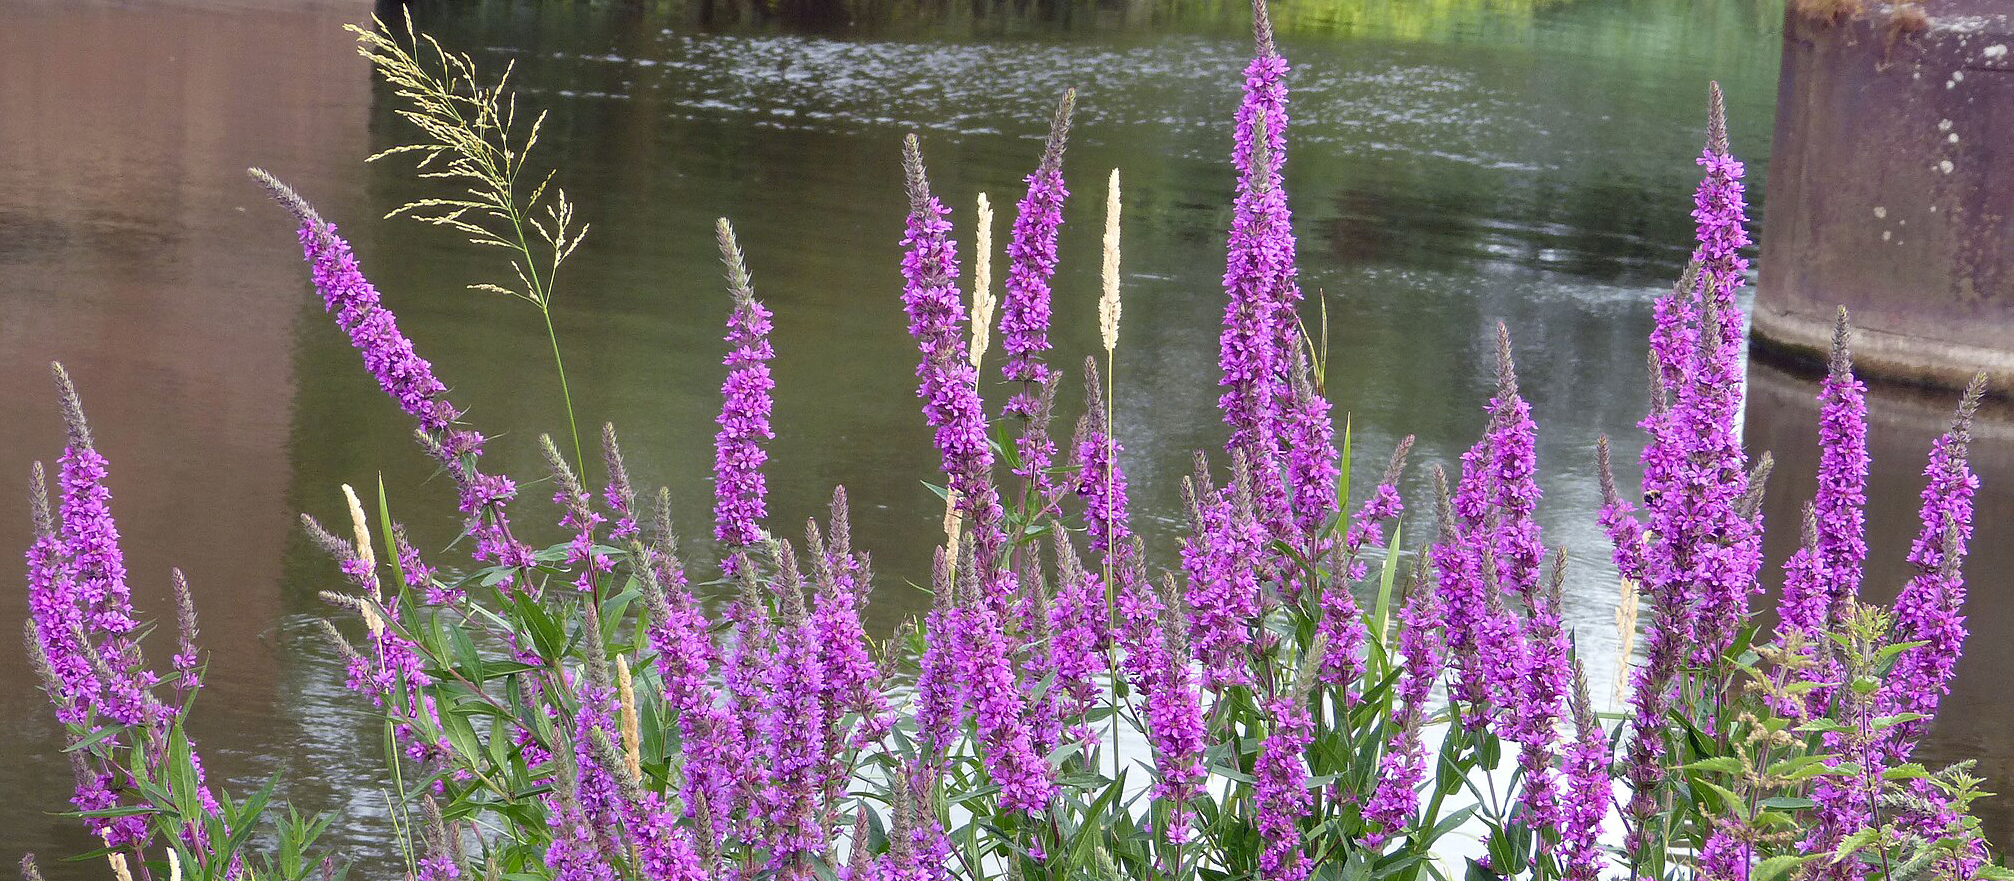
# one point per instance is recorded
(1891, 190)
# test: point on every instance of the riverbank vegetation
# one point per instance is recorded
(1304, 693)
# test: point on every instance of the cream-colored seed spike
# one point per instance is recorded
(632, 743)
(1625, 631)
(118, 861)
(361, 526)
(174, 865)
(1108, 303)
(953, 523)
(982, 283)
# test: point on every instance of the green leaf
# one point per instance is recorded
(1774, 867)
(1717, 765)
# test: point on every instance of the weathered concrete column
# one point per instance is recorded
(1891, 191)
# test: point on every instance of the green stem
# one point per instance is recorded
(565, 396)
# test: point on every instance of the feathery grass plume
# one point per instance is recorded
(29, 871)
(740, 490)
(982, 283)
(469, 138)
(119, 869)
(1025, 311)
(361, 528)
(1108, 302)
(632, 742)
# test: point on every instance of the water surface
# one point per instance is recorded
(1454, 164)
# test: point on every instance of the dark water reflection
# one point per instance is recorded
(1456, 163)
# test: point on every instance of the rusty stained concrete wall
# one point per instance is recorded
(1891, 192)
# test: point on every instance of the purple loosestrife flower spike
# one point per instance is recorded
(1930, 608)
(941, 693)
(1513, 470)
(1823, 577)
(1006, 744)
(1077, 650)
(1174, 708)
(793, 727)
(1464, 601)
(581, 517)
(618, 495)
(1842, 482)
(947, 381)
(1705, 410)
(1589, 790)
(90, 540)
(408, 379)
(1280, 790)
(738, 485)
(1342, 622)
(1100, 480)
(56, 614)
(1397, 799)
(1547, 676)
(1221, 561)
(685, 657)
(186, 660)
(852, 683)
(1024, 307)
(1310, 439)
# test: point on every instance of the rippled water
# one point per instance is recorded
(1454, 164)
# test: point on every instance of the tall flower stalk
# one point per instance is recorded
(739, 490)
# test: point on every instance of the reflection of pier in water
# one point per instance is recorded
(133, 249)
(1974, 720)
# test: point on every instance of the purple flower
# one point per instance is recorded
(1589, 791)
(738, 485)
(1396, 799)
(1261, 287)
(1823, 577)
(1100, 481)
(1006, 744)
(1220, 558)
(1342, 624)
(1930, 607)
(792, 728)
(580, 517)
(408, 379)
(941, 692)
(1280, 790)
(1157, 664)
(1024, 305)
(948, 383)
(1077, 648)
(1701, 568)
(851, 683)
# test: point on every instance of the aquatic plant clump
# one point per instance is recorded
(1298, 694)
